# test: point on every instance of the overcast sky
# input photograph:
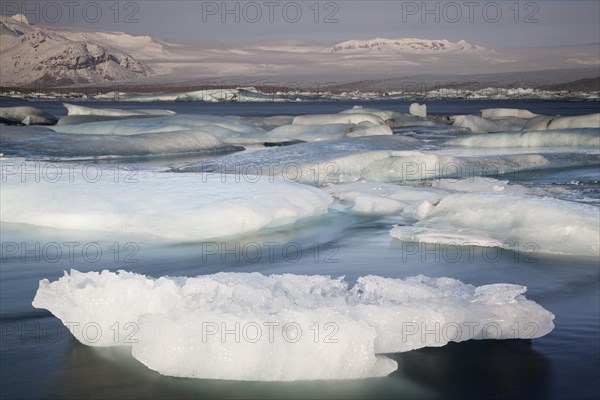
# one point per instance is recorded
(495, 24)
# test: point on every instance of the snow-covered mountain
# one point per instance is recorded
(37, 55)
(57, 56)
(407, 45)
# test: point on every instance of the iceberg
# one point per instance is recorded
(380, 159)
(418, 110)
(26, 115)
(385, 198)
(73, 109)
(215, 125)
(248, 326)
(576, 137)
(164, 206)
(383, 114)
(541, 224)
(476, 124)
(491, 113)
(500, 119)
(25, 141)
(314, 163)
(342, 118)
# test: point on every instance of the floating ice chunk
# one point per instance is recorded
(26, 115)
(506, 112)
(383, 114)
(330, 161)
(368, 129)
(406, 166)
(266, 122)
(538, 123)
(379, 159)
(312, 132)
(283, 327)
(407, 120)
(579, 121)
(187, 207)
(173, 346)
(215, 125)
(384, 198)
(24, 141)
(347, 118)
(480, 184)
(418, 110)
(86, 119)
(476, 124)
(73, 109)
(423, 210)
(543, 225)
(542, 122)
(578, 137)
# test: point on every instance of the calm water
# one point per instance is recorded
(39, 358)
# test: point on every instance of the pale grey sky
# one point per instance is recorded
(497, 24)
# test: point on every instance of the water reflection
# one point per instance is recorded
(479, 369)
(112, 373)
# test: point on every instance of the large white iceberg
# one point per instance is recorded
(45, 143)
(516, 222)
(188, 207)
(240, 326)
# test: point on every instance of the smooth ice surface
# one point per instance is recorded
(25, 141)
(544, 225)
(184, 207)
(577, 137)
(178, 326)
(73, 109)
(26, 115)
